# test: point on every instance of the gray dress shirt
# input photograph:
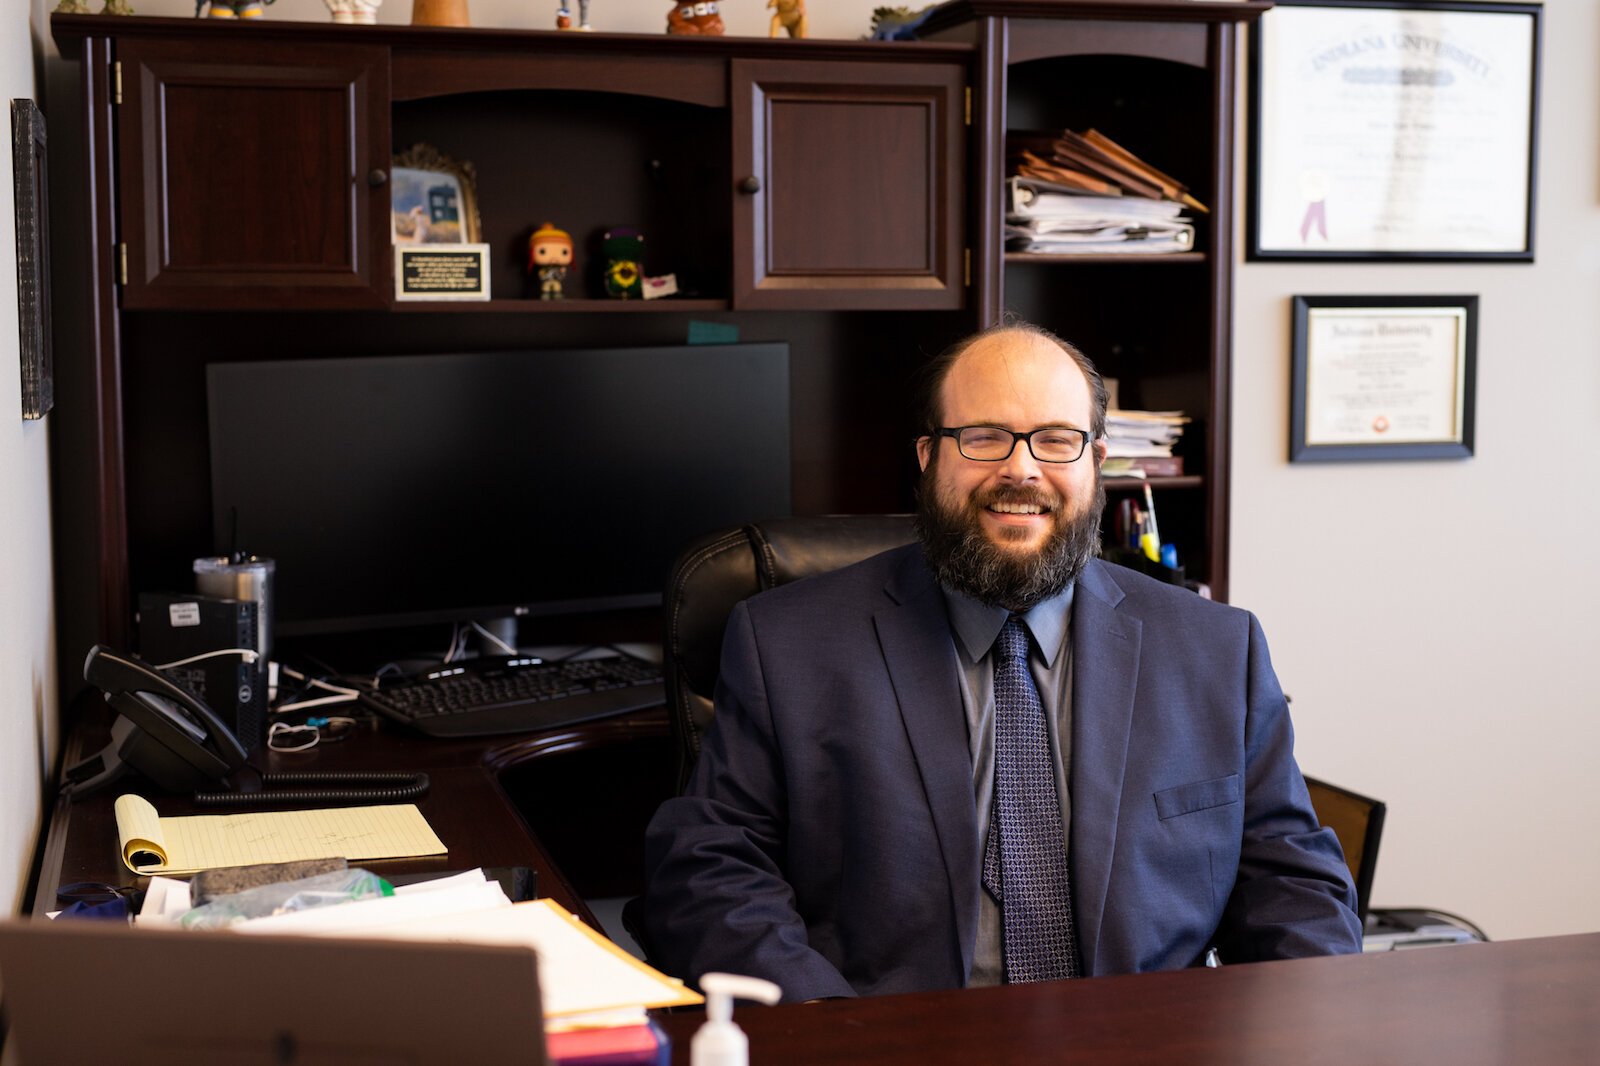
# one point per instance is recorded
(976, 627)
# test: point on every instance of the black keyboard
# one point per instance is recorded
(491, 696)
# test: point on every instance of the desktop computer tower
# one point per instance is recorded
(175, 626)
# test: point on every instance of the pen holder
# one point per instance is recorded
(1172, 575)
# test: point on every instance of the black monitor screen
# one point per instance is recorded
(409, 489)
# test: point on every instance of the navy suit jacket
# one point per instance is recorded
(829, 842)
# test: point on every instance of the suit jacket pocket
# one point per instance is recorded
(1197, 796)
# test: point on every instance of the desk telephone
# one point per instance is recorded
(165, 733)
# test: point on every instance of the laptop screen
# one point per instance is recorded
(80, 991)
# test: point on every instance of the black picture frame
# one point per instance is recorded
(1311, 134)
(30, 181)
(1383, 377)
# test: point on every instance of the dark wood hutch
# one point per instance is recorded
(222, 194)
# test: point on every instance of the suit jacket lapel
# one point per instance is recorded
(914, 635)
(1105, 663)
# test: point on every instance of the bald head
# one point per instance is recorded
(996, 347)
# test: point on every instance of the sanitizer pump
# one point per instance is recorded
(719, 1042)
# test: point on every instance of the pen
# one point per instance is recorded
(1151, 541)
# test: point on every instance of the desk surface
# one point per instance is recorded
(1515, 1002)
(465, 804)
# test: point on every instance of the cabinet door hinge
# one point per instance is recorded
(969, 104)
(122, 263)
(966, 268)
(116, 82)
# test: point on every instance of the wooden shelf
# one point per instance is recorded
(666, 303)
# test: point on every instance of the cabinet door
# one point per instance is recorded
(254, 175)
(849, 184)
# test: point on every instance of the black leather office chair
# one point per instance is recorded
(716, 572)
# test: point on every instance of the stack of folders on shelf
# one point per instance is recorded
(1140, 443)
(595, 995)
(1075, 194)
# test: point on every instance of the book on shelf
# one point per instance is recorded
(1142, 466)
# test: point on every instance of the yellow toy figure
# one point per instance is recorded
(230, 9)
(550, 255)
(788, 15)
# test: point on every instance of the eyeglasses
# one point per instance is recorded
(991, 444)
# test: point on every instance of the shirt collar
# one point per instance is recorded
(976, 625)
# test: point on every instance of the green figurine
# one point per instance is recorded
(624, 252)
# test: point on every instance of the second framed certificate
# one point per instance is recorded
(1383, 377)
(1394, 130)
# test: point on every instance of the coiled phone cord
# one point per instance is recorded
(379, 786)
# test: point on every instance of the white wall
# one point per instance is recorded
(1432, 624)
(1430, 620)
(28, 731)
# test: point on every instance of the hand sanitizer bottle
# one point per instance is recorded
(719, 1042)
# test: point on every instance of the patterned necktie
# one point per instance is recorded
(1025, 861)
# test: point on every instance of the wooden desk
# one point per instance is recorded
(1511, 1003)
(465, 805)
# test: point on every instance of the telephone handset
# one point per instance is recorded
(161, 730)
(175, 740)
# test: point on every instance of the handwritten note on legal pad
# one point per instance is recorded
(206, 841)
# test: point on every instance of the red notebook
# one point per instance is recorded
(630, 1045)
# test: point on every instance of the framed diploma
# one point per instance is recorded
(1383, 377)
(1393, 130)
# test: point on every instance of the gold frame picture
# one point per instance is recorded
(433, 199)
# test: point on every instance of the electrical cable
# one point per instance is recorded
(249, 655)
(341, 694)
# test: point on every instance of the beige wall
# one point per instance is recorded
(1435, 621)
(27, 620)
(1430, 664)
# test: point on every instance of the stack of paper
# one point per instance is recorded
(594, 994)
(1048, 219)
(1139, 443)
(585, 977)
(1073, 194)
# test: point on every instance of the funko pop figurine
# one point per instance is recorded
(550, 256)
(624, 249)
(695, 18)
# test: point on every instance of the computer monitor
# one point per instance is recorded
(402, 490)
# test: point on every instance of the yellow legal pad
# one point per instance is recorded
(206, 841)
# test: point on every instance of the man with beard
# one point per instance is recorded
(990, 756)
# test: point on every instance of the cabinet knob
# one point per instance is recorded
(750, 186)
(377, 176)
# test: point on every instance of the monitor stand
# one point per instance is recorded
(504, 629)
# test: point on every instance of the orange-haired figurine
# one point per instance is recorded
(550, 254)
